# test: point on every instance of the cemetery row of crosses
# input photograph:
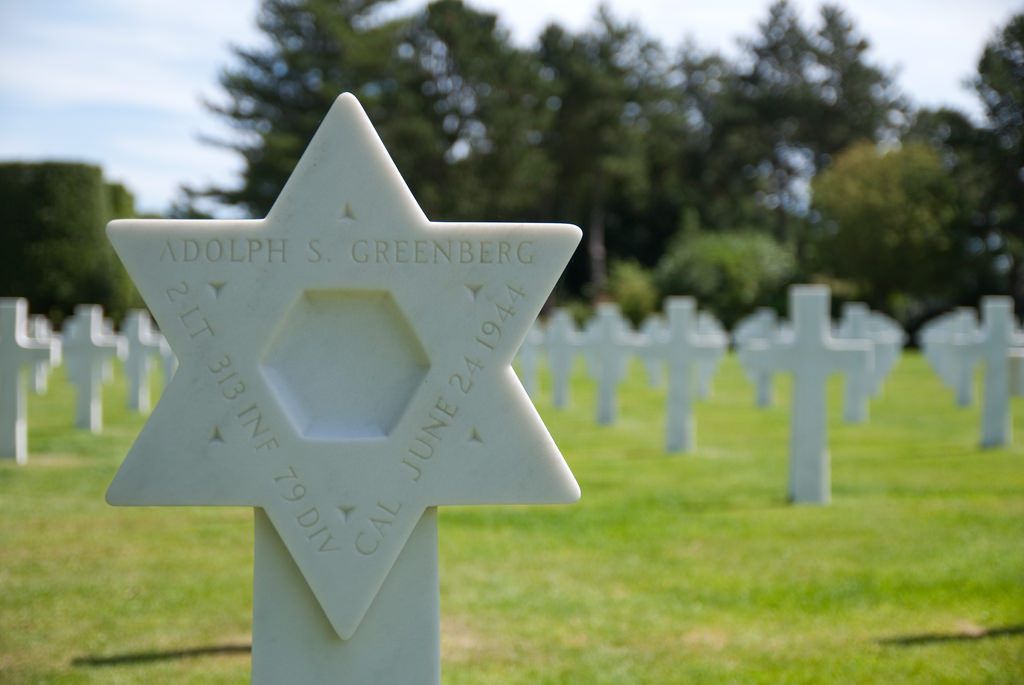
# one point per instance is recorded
(385, 406)
(680, 349)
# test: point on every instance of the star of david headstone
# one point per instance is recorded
(345, 368)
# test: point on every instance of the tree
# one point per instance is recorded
(600, 128)
(806, 96)
(886, 227)
(601, 84)
(277, 95)
(454, 102)
(707, 132)
(1000, 85)
(633, 288)
(854, 100)
(961, 145)
(729, 273)
(467, 116)
(56, 253)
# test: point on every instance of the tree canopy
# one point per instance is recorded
(887, 219)
(632, 140)
(55, 251)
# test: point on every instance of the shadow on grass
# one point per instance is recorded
(931, 638)
(143, 657)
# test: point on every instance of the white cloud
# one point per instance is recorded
(158, 55)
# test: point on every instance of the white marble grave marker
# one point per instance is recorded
(889, 338)
(761, 325)
(993, 347)
(949, 344)
(651, 339)
(87, 349)
(857, 382)
(18, 351)
(684, 348)
(345, 368)
(608, 345)
(562, 340)
(143, 345)
(41, 329)
(959, 354)
(932, 337)
(527, 357)
(1017, 370)
(168, 361)
(121, 350)
(712, 332)
(811, 354)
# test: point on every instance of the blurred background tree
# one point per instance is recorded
(730, 273)
(602, 128)
(888, 224)
(634, 289)
(56, 252)
(724, 179)
(1000, 85)
(276, 95)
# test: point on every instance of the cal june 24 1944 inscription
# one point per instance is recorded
(345, 364)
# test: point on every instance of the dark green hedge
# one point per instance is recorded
(55, 252)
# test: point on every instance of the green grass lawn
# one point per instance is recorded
(671, 569)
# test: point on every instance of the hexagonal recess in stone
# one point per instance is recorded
(344, 364)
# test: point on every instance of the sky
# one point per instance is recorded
(121, 83)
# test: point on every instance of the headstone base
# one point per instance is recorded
(397, 643)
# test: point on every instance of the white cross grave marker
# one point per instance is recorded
(121, 349)
(932, 338)
(41, 329)
(1017, 369)
(527, 358)
(168, 361)
(608, 345)
(993, 347)
(651, 338)
(562, 340)
(949, 342)
(684, 348)
(143, 344)
(889, 338)
(713, 334)
(17, 351)
(87, 349)
(811, 354)
(959, 354)
(345, 369)
(761, 325)
(857, 382)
